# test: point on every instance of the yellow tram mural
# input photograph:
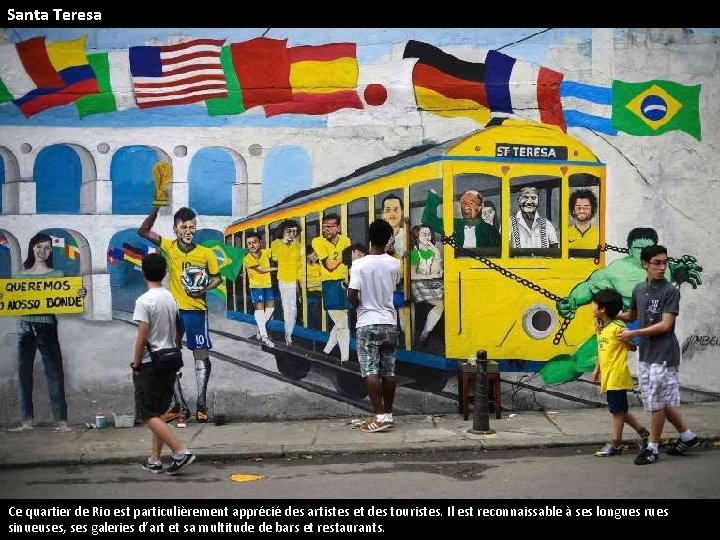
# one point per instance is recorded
(488, 242)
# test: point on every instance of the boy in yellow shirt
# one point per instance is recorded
(612, 369)
(257, 263)
(329, 247)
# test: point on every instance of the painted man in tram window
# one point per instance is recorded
(333, 273)
(583, 207)
(470, 230)
(528, 229)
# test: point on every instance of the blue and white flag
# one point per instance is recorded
(586, 105)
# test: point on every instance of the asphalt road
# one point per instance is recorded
(559, 473)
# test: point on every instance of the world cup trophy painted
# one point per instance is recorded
(162, 174)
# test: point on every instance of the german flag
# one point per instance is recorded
(132, 254)
(446, 85)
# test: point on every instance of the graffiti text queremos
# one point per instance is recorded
(33, 296)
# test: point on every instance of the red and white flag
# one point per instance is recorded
(177, 74)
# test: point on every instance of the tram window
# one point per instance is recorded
(238, 287)
(230, 285)
(534, 223)
(358, 216)
(470, 231)
(312, 274)
(358, 221)
(426, 274)
(418, 198)
(584, 230)
(389, 205)
(332, 210)
(274, 233)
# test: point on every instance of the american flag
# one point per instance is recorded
(177, 74)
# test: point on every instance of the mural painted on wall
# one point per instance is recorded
(503, 225)
(621, 275)
(320, 79)
(37, 328)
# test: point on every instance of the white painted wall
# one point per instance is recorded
(670, 182)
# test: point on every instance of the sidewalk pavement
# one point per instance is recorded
(339, 436)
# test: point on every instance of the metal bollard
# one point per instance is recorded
(481, 409)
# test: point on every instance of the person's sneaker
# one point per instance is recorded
(152, 467)
(24, 426)
(679, 447)
(182, 418)
(642, 445)
(201, 415)
(179, 464)
(266, 341)
(609, 450)
(646, 457)
(372, 425)
(170, 415)
(62, 427)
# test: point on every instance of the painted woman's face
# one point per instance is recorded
(488, 214)
(289, 235)
(42, 251)
(424, 236)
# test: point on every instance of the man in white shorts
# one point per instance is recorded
(656, 302)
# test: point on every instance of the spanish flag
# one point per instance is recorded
(323, 79)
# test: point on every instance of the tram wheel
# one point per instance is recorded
(292, 367)
(349, 385)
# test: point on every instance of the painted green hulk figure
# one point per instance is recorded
(620, 275)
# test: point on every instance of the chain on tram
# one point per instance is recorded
(529, 284)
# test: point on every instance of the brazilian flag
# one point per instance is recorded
(655, 107)
(230, 260)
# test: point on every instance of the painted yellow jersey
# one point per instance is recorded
(178, 261)
(258, 280)
(289, 260)
(313, 277)
(612, 356)
(587, 240)
(333, 252)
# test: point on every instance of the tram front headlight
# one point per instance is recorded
(539, 321)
